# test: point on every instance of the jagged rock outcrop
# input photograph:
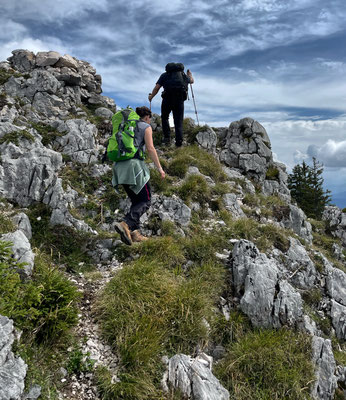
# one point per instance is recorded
(193, 377)
(336, 219)
(207, 139)
(27, 172)
(326, 381)
(21, 249)
(247, 147)
(52, 89)
(266, 296)
(12, 368)
(23, 223)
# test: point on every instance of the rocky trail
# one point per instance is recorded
(81, 385)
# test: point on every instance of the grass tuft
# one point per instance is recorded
(268, 364)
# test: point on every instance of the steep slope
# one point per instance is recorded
(232, 266)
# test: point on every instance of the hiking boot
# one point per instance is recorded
(124, 231)
(137, 237)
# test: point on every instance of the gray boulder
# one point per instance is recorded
(27, 172)
(21, 249)
(46, 58)
(23, 223)
(326, 382)
(170, 209)
(338, 316)
(295, 219)
(67, 61)
(247, 147)
(265, 296)
(337, 222)
(12, 368)
(301, 270)
(79, 142)
(22, 60)
(207, 139)
(193, 377)
(231, 204)
(104, 112)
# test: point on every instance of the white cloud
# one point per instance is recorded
(52, 10)
(331, 153)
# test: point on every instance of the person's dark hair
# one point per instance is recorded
(143, 111)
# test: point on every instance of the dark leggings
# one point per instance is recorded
(177, 107)
(139, 205)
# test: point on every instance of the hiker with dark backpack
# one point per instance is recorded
(175, 84)
(132, 135)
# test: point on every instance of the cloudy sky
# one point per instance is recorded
(282, 62)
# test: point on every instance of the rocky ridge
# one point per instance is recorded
(53, 118)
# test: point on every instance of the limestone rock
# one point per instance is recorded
(22, 60)
(247, 147)
(326, 382)
(79, 142)
(45, 58)
(67, 61)
(23, 223)
(232, 205)
(193, 377)
(104, 113)
(12, 368)
(338, 316)
(170, 209)
(300, 267)
(265, 297)
(27, 172)
(207, 139)
(21, 249)
(296, 220)
(337, 222)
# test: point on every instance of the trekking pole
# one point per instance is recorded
(150, 101)
(194, 103)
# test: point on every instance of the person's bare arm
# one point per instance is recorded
(148, 139)
(154, 92)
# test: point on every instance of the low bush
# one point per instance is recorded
(16, 136)
(194, 188)
(66, 245)
(48, 133)
(44, 307)
(268, 364)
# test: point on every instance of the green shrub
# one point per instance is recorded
(225, 331)
(48, 133)
(6, 225)
(194, 188)
(44, 307)
(178, 166)
(204, 161)
(160, 185)
(268, 364)
(79, 362)
(66, 245)
(272, 173)
(16, 136)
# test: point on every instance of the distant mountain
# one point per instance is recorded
(339, 199)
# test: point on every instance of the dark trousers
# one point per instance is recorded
(175, 105)
(139, 205)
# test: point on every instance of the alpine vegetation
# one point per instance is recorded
(216, 286)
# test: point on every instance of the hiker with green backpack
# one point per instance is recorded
(132, 135)
(175, 84)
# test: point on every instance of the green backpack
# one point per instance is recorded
(123, 144)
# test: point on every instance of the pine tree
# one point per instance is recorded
(306, 186)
